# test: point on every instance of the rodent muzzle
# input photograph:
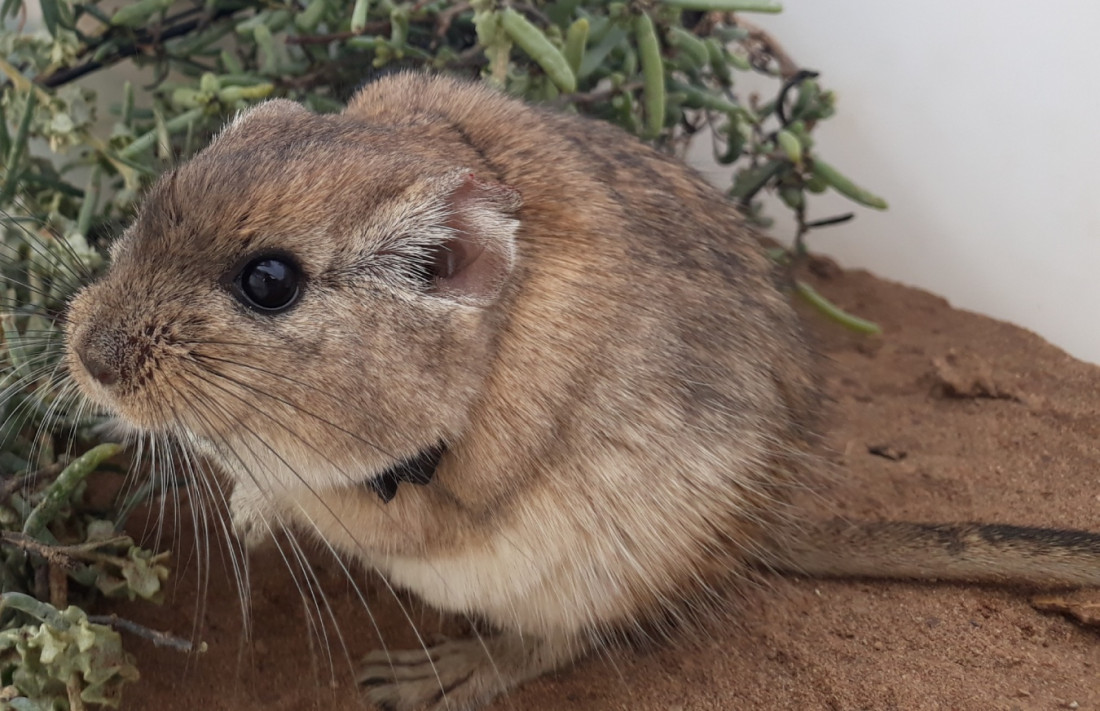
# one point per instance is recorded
(111, 356)
(97, 367)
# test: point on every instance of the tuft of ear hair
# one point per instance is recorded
(472, 265)
(270, 109)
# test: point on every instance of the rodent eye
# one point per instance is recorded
(269, 284)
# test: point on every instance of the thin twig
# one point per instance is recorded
(159, 639)
(790, 83)
(59, 586)
(800, 253)
(534, 12)
(54, 555)
(72, 690)
(141, 42)
(469, 57)
(787, 66)
(371, 28)
(63, 556)
(10, 486)
(111, 31)
(444, 19)
(827, 221)
(598, 95)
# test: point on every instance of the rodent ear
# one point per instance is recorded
(471, 266)
(267, 110)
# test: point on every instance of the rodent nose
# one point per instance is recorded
(97, 368)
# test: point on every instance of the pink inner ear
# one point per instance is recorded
(458, 257)
(475, 262)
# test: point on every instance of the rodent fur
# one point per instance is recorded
(622, 388)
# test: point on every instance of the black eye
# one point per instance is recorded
(269, 284)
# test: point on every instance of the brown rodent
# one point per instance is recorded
(518, 362)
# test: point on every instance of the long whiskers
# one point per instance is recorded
(298, 408)
(69, 265)
(169, 456)
(311, 491)
(308, 582)
(72, 263)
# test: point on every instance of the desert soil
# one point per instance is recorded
(972, 419)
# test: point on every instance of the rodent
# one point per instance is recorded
(520, 363)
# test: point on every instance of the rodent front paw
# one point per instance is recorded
(456, 675)
(431, 679)
(246, 512)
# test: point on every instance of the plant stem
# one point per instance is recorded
(18, 147)
(91, 197)
(72, 688)
(173, 125)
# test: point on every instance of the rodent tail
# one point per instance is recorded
(970, 552)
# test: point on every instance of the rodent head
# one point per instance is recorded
(308, 286)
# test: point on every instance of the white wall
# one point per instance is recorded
(979, 121)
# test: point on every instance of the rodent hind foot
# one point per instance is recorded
(456, 675)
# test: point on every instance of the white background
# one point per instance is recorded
(979, 121)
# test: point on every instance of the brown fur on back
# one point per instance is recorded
(645, 327)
